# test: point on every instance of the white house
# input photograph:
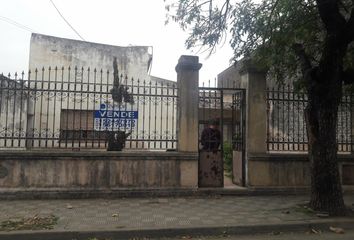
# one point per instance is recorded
(73, 107)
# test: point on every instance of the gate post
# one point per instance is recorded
(188, 100)
(253, 79)
(187, 117)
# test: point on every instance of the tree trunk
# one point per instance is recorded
(321, 120)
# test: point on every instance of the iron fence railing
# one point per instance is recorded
(73, 108)
(286, 127)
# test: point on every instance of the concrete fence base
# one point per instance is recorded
(290, 170)
(97, 170)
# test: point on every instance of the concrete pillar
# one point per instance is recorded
(253, 80)
(188, 96)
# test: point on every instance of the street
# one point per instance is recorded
(326, 235)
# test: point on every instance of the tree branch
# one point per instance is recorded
(269, 28)
(345, 8)
(223, 16)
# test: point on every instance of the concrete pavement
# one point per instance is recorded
(149, 217)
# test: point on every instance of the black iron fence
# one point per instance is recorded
(286, 127)
(73, 108)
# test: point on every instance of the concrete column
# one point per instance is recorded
(188, 96)
(253, 80)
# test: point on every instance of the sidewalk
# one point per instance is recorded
(156, 217)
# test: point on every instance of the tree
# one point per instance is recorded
(311, 40)
(120, 94)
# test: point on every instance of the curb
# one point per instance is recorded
(175, 232)
(44, 194)
(19, 194)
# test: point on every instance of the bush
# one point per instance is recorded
(228, 158)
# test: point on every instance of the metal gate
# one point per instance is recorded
(221, 136)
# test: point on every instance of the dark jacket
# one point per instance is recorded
(210, 139)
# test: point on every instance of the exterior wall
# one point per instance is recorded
(15, 112)
(48, 51)
(135, 61)
(162, 81)
(230, 77)
(94, 170)
(157, 115)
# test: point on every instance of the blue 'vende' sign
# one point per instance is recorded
(112, 120)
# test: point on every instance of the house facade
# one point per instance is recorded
(48, 51)
(69, 85)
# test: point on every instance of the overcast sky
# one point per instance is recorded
(115, 22)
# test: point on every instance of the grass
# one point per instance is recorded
(31, 223)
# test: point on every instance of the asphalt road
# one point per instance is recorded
(327, 235)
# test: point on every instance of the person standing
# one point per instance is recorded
(211, 137)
